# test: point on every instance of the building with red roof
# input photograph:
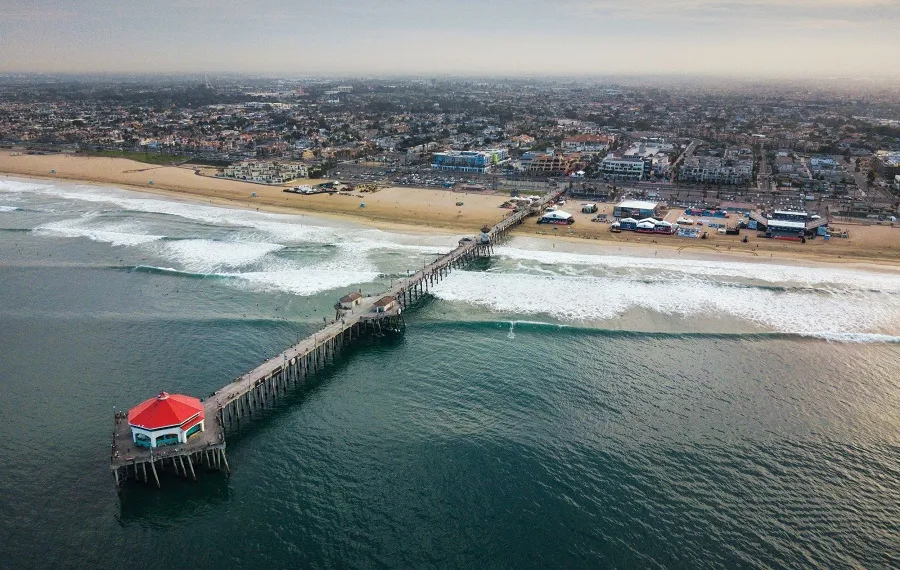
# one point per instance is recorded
(166, 419)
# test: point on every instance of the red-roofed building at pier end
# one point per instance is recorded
(167, 419)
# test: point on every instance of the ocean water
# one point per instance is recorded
(544, 407)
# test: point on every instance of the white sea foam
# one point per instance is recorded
(855, 337)
(118, 234)
(302, 281)
(8, 208)
(12, 186)
(203, 255)
(593, 299)
(664, 268)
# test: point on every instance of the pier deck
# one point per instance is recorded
(239, 399)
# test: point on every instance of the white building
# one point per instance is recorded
(631, 168)
(167, 419)
(264, 172)
(716, 170)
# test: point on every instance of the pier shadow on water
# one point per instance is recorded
(179, 500)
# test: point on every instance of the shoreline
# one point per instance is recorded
(436, 213)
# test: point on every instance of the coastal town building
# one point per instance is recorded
(716, 170)
(166, 419)
(886, 163)
(822, 162)
(586, 143)
(463, 161)
(522, 140)
(625, 168)
(556, 164)
(263, 172)
(638, 209)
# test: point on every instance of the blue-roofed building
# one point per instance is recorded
(465, 160)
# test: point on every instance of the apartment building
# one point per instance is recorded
(625, 168)
(586, 143)
(264, 172)
(715, 170)
(886, 163)
(551, 165)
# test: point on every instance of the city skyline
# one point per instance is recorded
(775, 38)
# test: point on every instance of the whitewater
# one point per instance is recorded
(526, 279)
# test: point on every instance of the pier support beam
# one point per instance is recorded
(155, 476)
(225, 460)
(191, 465)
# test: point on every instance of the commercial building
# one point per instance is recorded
(461, 161)
(625, 168)
(469, 160)
(167, 419)
(886, 163)
(788, 224)
(636, 209)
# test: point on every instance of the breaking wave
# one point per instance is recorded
(596, 299)
(117, 234)
(757, 273)
(575, 329)
(298, 281)
(204, 255)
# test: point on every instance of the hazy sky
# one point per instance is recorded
(734, 37)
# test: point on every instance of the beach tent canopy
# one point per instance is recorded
(629, 220)
(556, 215)
(646, 226)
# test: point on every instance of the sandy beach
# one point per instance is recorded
(431, 210)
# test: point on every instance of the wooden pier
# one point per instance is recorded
(237, 401)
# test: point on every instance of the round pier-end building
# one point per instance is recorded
(166, 419)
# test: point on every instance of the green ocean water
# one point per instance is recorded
(542, 409)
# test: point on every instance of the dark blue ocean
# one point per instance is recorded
(555, 406)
